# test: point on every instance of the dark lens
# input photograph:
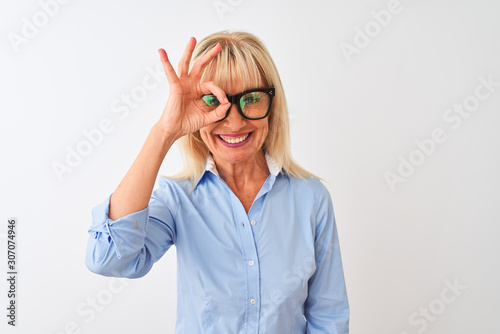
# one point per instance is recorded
(210, 102)
(254, 104)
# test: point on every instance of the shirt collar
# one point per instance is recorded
(272, 165)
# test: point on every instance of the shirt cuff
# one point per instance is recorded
(127, 233)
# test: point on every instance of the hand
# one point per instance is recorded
(183, 114)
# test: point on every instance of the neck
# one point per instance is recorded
(238, 175)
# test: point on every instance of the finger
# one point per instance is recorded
(167, 67)
(210, 87)
(186, 57)
(201, 63)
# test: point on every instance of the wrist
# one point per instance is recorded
(166, 136)
(167, 132)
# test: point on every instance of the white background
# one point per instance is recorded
(351, 119)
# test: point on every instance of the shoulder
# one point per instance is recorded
(171, 189)
(308, 186)
(175, 185)
(164, 181)
(307, 192)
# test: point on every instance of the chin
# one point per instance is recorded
(233, 156)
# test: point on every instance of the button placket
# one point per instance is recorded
(249, 252)
(253, 273)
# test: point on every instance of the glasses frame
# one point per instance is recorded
(234, 99)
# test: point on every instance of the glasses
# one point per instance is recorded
(251, 104)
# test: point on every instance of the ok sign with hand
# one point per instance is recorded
(183, 113)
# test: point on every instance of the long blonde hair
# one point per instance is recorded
(243, 58)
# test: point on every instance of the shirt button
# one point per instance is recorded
(252, 301)
(250, 262)
(252, 222)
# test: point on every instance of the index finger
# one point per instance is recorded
(186, 57)
(210, 87)
(201, 63)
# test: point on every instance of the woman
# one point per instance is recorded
(255, 234)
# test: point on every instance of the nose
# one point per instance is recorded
(234, 120)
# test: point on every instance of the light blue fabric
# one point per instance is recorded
(276, 270)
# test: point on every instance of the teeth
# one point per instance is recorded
(234, 140)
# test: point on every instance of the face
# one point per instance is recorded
(235, 139)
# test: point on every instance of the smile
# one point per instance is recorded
(234, 140)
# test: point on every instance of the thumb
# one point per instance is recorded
(219, 112)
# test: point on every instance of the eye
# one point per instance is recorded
(211, 100)
(251, 98)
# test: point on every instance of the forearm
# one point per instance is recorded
(134, 191)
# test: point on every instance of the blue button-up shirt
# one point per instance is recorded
(274, 270)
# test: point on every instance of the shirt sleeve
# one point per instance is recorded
(129, 246)
(326, 308)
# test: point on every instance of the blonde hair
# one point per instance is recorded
(243, 58)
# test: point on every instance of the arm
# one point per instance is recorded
(134, 191)
(327, 307)
(182, 115)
